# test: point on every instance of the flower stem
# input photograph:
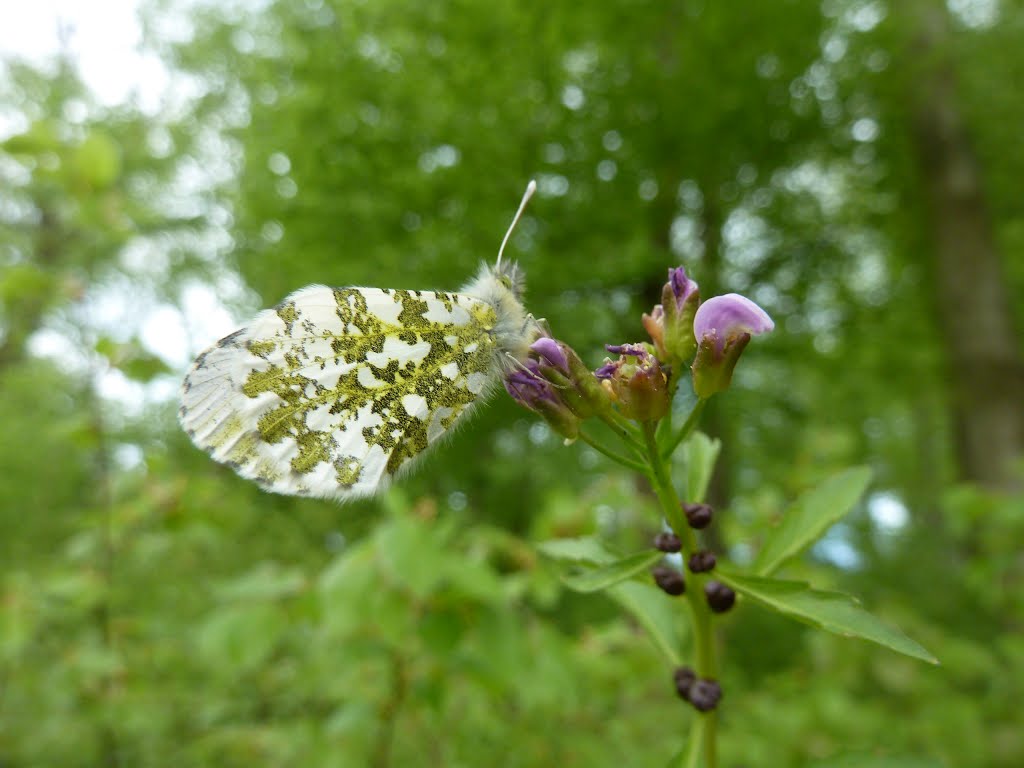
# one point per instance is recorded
(636, 466)
(686, 429)
(700, 614)
(622, 428)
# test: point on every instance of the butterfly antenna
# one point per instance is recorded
(530, 189)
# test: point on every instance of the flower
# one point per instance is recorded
(681, 286)
(670, 323)
(636, 382)
(574, 384)
(728, 317)
(551, 351)
(531, 390)
(723, 326)
(527, 386)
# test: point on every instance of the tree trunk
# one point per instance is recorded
(986, 372)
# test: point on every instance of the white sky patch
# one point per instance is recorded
(888, 512)
(102, 37)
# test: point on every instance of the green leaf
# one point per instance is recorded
(660, 617)
(264, 581)
(585, 549)
(700, 454)
(810, 517)
(594, 579)
(832, 611)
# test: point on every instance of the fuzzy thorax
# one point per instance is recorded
(502, 287)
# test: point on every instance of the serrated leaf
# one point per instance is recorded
(810, 517)
(585, 549)
(832, 611)
(700, 453)
(594, 579)
(660, 617)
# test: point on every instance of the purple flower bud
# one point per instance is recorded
(725, 318)
(682, 287)
(723, 326)
(551, 352)
(671, 322)
(527, 386)
(532, 391)
(573, 384)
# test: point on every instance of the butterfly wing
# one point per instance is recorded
(337, 390)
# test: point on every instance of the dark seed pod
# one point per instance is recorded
(669, 580)
(705, 695)
(698, 515)
(684, 678)
(702, 561)
(720, 597)
(667, 542)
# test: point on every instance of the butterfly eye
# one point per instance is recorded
(506, 281)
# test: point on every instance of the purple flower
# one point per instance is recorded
(681, 286)
(551, 352)
(528, 387)
(531, 390)
(727, 317)
(723, 326)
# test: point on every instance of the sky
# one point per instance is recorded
(102, 35)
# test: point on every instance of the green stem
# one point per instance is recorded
(700, 614)
(691, 757)
(686, 429)
(636, 466)
(623, 429)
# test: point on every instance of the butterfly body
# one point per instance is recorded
(336, 391)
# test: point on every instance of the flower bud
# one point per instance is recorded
(698, 515)
(654, 324)
(720, 598)
(532, 391)
(705, 695)
(574, 383)
(667, 542)
(679, 300)
(684, 678)
(723, 326)
(636, 382)
(669, 580)
(702, 561)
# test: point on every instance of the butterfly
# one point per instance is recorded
(336, 391)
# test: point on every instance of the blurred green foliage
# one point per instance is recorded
(157, 610)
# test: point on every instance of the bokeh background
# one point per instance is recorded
(852, 165)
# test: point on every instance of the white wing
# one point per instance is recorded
(336, 390)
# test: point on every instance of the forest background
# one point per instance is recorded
(853, 166)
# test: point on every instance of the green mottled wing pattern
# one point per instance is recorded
(337, 390)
